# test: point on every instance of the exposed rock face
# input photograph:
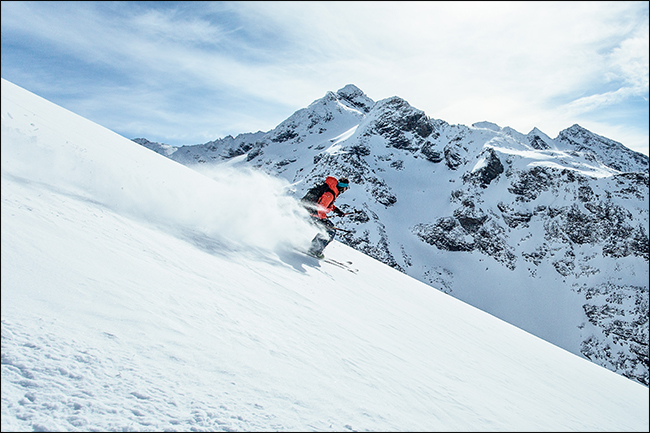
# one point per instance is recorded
(490, 170)
(471, 209)
(621, 313)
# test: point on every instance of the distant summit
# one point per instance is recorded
(611, 153)
(487, 125)
(356, 98)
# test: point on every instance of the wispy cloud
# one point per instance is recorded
(230, 67)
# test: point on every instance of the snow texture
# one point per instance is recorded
(140, 295)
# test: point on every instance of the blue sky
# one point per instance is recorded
(191, 72)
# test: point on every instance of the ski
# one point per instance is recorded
(344, 265)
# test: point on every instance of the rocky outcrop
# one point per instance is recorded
(489, 168)
(620, 313)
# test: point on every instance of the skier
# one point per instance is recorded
(319, 201)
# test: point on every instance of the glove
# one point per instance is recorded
(338, 212)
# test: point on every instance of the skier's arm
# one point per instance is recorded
(338, 211)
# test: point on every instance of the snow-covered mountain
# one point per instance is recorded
(550, 235)
(140, 295)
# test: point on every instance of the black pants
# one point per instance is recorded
(319, 242)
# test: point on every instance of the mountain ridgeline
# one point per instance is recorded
(550, 235)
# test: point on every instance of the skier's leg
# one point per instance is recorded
(329, 228)
(317, 245)
(320, 241)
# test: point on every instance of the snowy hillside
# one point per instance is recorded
(140, 295)
(550, 235)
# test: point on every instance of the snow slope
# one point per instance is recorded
(140, 295)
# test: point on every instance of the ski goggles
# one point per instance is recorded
(343, 185)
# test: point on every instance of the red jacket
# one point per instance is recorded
(325, 203)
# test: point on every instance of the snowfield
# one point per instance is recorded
(140, 295)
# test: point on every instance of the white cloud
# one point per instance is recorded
(631, 58)
(523, 64)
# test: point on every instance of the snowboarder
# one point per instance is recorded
(319, 201)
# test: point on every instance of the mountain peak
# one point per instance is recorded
(350, 90)
(576, 127)
(355, 96)
(611, 153)
(539, 140)
(487, 125)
